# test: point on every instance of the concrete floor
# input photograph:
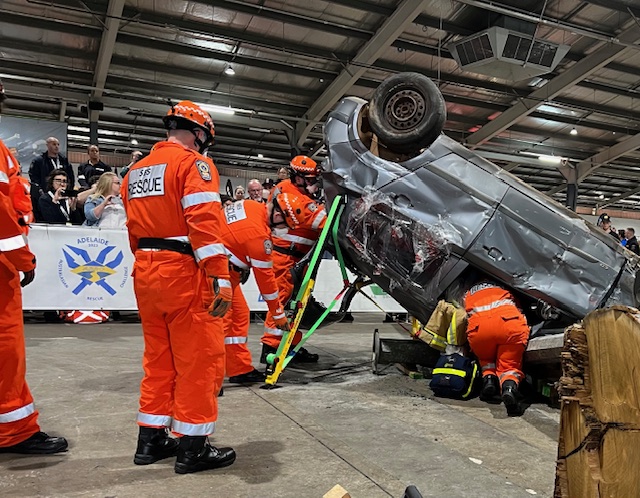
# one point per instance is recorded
(334, 423)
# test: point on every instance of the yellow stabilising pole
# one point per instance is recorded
(279, 361)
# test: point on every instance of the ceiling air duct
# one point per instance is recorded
(506, 54)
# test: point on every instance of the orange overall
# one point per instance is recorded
(497, 331)
(172, 195)
(289, 246)
(18, 416)
(247, 237)
(21, 197)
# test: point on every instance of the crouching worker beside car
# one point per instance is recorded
(498, 334)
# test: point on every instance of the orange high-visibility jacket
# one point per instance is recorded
(486, 296)
(21, 198)
(247, 237)
(177, 199)
(301, 239)
(12, 243)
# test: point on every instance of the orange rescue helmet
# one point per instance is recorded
(296, 210)
(186, 115)
(304, 166)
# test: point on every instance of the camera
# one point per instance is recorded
(70, 193)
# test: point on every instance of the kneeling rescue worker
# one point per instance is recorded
(498, 334)
(247, 237)
(291, 244)
(181, 282)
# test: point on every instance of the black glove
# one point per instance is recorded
(28, 277)
(244, 275)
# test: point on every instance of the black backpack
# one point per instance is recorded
(454, 376)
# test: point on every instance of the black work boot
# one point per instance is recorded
(39, 443)
(510, 398)
(490, 388)
(251, 377)
(304, 356)
(196, 454)
(153, 445)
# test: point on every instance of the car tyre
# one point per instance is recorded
(407, 112)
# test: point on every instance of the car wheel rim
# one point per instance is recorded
(405, 109)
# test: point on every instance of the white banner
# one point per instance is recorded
(80, 268)
(85, 268)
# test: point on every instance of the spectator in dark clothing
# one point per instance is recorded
(604, 222)
(632, 242)
(42, 166)
(55, 206)
(136, 155)
(93, 167)
(40, 169)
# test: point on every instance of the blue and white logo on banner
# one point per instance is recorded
(94, 265)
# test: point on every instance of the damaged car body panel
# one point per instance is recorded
(415, 226)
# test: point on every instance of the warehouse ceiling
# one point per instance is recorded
(271, 70)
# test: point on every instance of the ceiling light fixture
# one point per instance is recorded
(573, 131)
(260, 156)
(550, 159)
(134, 141)
(260, 130)
(229, 71)
(218, 109)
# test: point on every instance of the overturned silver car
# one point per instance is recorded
(423, 211)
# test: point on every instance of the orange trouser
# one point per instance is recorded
(282, 264)
(498, 338)
(183, 345)
(236, 331)
(18, 416)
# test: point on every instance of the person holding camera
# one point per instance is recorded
(58, 203)
(104, 208)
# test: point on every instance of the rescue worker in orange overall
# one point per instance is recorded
(289, 246)
(305, 219)
(247, 238)
(19, 429)
(498, 334)
(181, 282)
(20, 188)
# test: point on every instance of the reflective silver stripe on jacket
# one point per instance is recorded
(224, 283)
(278, 317)
(319, 219)
(17, 414)
(199, 198)
(12, 243)
(208, 251)
(235, 260)
(271, 297)
(188, 429)
(157, 420)
(296, 239)
(4, 178)
(258, 263)
(235, 340)
(273, 331)
(493, 305)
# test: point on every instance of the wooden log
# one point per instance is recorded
(599, 440)
(337, 492)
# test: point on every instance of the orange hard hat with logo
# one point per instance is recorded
(305, 166)
(186, 115)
